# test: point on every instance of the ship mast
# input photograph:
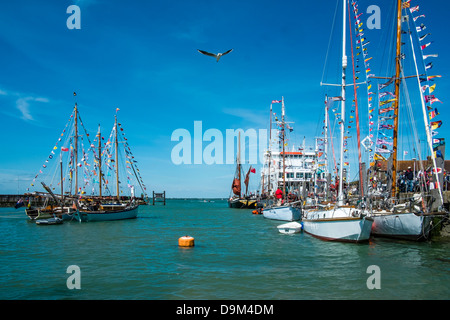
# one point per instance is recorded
(397, 98)
(100, 161)
(62, 184)
(117, 159)
(325, 142)
(358, 135)
(76, 148)
(344, 67)
(270, 151)
(239, 162)
(283, 133)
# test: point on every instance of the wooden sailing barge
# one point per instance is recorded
(238, 199)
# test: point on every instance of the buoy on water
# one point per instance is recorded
(257, 211)
(186, 241)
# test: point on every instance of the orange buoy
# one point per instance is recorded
(186, 241)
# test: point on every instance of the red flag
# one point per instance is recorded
(64, 149)
(276, 101)
(253, 170)
(425, 45)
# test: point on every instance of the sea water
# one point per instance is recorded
(237, 256)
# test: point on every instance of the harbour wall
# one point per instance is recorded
(10, 200)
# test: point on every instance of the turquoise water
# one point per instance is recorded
(237, 255)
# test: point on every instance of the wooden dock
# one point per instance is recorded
(159, 197)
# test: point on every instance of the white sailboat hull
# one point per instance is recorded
(407, 226)
(340, 224)
(283, 213)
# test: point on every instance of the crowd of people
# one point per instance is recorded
(410, 181)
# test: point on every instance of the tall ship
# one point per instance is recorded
(115, 160)
(81, 177)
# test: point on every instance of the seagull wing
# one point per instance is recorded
(227, 52)
(207, 53)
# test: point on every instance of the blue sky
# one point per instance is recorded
(141, 57)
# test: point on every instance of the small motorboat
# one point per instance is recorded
(50, 221)
(290, 228)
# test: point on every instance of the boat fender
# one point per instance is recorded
(255, 211)
(186, 241)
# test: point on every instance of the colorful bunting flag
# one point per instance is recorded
(431, 88)
(426, 45)
(430, 56)
(432, 77)
(433, 100)
(433, 113)
(435, 124)
(421, 16)
(424, 36)
(414, 9)
(421, 28)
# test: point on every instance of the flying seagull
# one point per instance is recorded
(217, 56)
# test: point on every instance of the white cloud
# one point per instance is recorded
(247, 115)
(24, 107)
(23, 103)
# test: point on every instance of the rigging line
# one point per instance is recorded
(135, 174)
(427, 127)
(329, 41)
(332, 146)
(411, 117)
